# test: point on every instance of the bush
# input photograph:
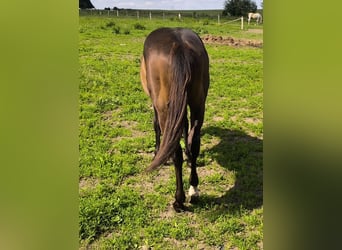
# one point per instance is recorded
(206, 22)
(116, 30)
(201, 30)
(110, 24)
(139, 26)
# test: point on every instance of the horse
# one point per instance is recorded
(174, 73)
(256, 16)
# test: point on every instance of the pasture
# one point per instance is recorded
(121, 206)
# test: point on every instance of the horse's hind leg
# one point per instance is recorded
(196, 124)
(195, 148)
(180, 195)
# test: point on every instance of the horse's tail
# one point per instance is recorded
(179, 77)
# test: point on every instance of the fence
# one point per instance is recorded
(150, 14)
(231, 21)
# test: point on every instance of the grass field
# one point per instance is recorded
(122, 207)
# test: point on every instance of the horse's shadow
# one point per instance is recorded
(241, 154)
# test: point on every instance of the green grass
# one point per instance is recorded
(121, 207)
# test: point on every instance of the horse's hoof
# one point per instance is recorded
(179, 207)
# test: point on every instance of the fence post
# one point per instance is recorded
(117, 13)
(242, 22)
(150, 15)
(138, 14)
(218, 18)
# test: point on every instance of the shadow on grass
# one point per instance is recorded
(242, 154)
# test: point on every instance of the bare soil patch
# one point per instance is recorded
(255, 31)
(230, 41)
(252, 120)
(87, 183)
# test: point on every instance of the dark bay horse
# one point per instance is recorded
(175, 74)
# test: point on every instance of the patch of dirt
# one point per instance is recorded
(255, 31)
(163, 173)
(184, 244)
(130, 125)
(230, 41)
(87, 183)
(169, 212)
(252, 120)
(234, 118)
(218, 118)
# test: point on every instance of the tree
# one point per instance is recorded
(85, 4)
(239, 7)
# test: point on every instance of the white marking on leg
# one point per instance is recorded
(193, 191)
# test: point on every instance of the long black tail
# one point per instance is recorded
(180, 74)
